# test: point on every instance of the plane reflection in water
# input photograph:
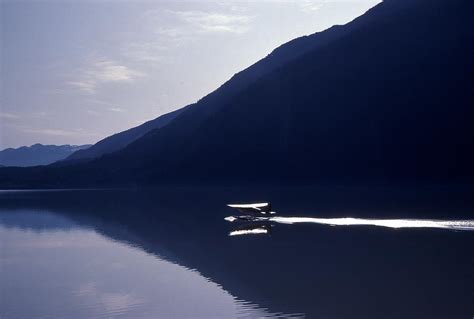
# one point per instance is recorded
(251, 228)
(258, 221)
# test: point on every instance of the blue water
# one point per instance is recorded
(167, 253)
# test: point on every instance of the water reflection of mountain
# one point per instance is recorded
(317, 270)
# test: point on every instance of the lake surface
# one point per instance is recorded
(167, 253)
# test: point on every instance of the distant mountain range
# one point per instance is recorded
(386, 97)
(37, 154)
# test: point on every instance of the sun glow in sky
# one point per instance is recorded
(74, 72)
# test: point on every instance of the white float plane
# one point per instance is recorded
(255, 218)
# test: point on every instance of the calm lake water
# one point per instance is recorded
(167, 253)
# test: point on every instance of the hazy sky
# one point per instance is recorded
(73, 72)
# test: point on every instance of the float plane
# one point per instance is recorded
(256, 212)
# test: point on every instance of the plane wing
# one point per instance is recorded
(255, 208)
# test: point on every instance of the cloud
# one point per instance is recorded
(86, 86)
(115, 109)
(144, 52)
(101, 102)
(92, 112)
(103, 72)
(38, 114)
(310, 6)
(112, 107)
(215, 22)
(59, 132)
(9, 116)
(206, 22)
(16, 121)
(173, 32)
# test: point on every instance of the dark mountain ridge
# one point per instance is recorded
(120, 140)
(387, 98)
(214, 100)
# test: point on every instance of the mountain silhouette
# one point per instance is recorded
(386, 97)
(120, 140)
(224, 94)
(37, 154)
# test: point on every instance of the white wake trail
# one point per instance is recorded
(467, 225)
